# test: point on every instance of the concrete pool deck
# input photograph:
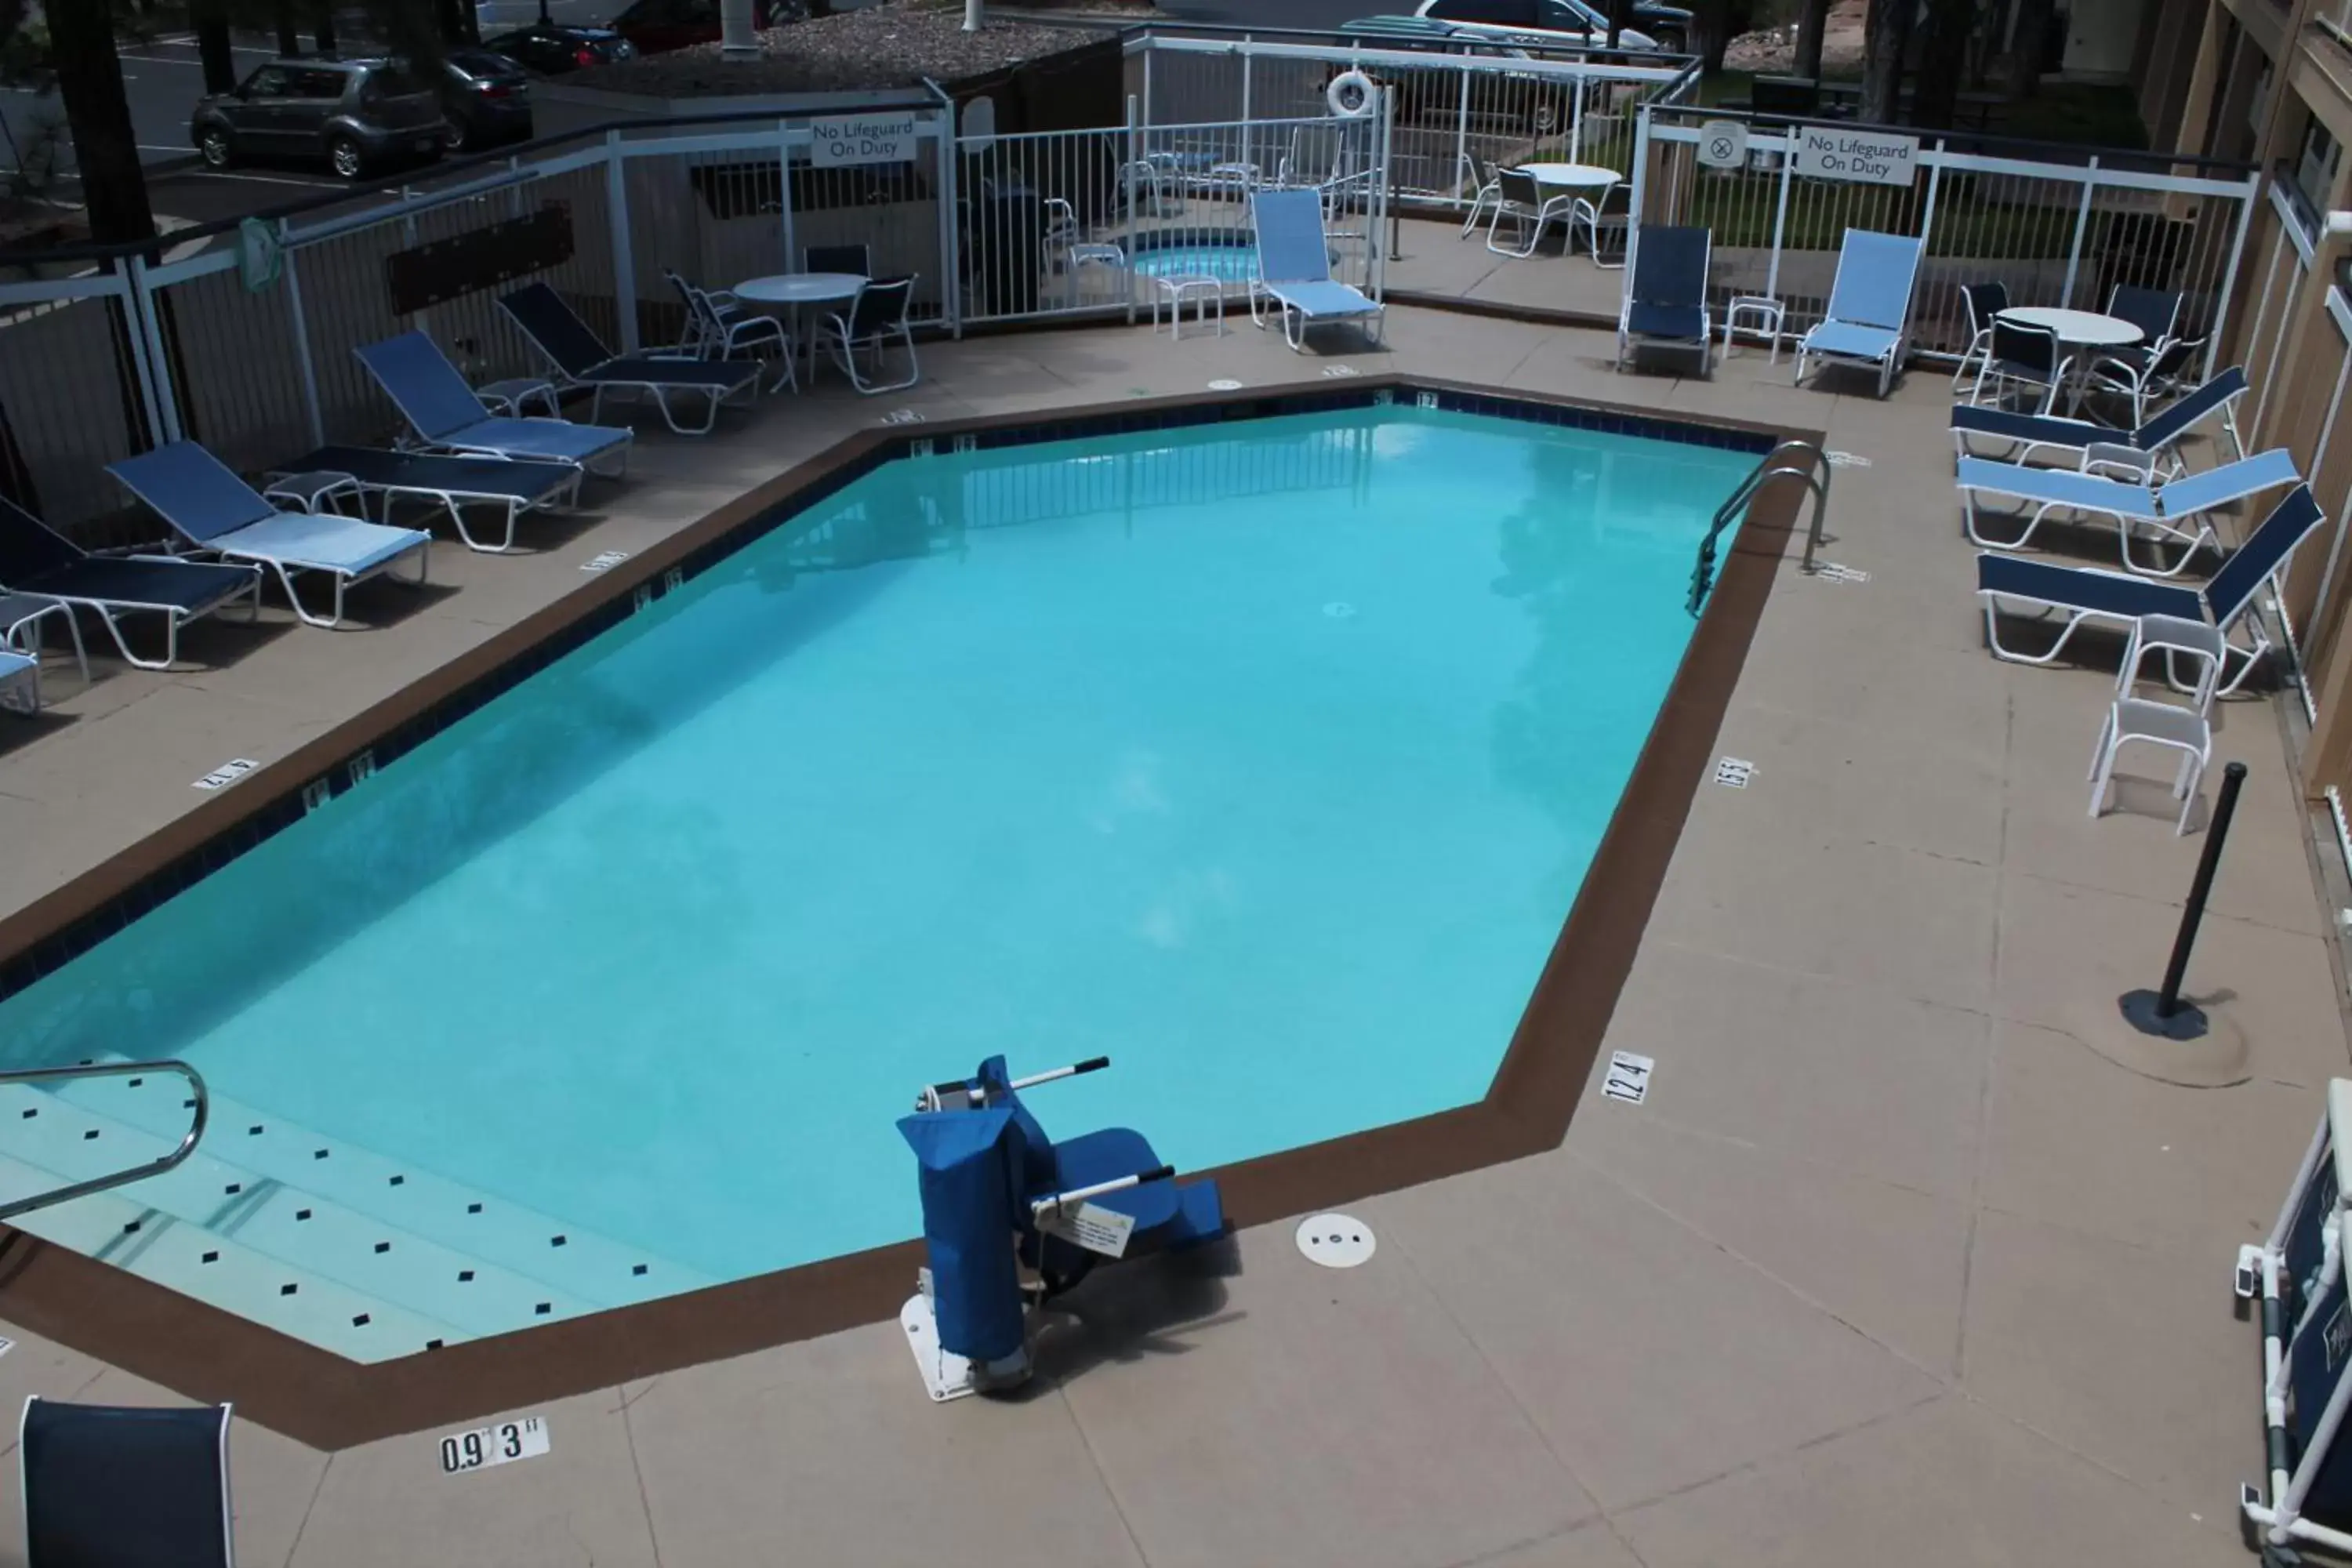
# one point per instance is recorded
(1888, 1267)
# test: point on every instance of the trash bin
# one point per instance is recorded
(1005, 240)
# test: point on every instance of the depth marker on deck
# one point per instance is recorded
(1733, 773)
(1628, 1079)
(228, 773)
(1830, 571)
(605, 562)
(500, 1445)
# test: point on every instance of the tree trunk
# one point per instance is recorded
(456, 19)
(106, 149)
(1943, 62)
(1710, 34)
(323, 33)
(1886, 32)
(290, 37)
(1812, 22)
(2025, 51)
(210, 19)
(1618, 11)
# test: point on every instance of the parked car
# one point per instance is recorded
(552, 48)
(653, 25)
(1518, 102)
(1569, 24)
(485, 97)
(354, 114)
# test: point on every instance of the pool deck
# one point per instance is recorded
(1887, 1268)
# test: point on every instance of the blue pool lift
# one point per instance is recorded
(1001, 1196)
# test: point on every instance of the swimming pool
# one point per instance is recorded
(1235, 263)
(1266, 757)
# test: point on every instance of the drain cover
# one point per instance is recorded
(1336, 1240)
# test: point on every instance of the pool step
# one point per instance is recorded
(298, 1259)
(595, 1268)
(223, 1273)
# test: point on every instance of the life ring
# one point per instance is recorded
(1351, 94)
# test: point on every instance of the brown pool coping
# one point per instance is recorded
(320, 1399)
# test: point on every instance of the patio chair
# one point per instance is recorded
(858, 260)
(1485, 191)
(22, 617)
(452, 483)
(1867, 321)
(718, 324)
(877, 315)
(1611, 212)
(124, 1486)
(39, 564)
(447, 417)
(1665, 293)
(2089, 593)
(2174, 512)
(1524, 203)
(578, 357)
(219, 514)
(1294, 270)
(1982, 301)
(2026, 357)
(2146, 373)
(2150, 451)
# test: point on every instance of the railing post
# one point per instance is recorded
(134, 336)
(301, 337)
(147, 327)
(1147, 78)
(1246, 56)
(625, 264)
(2213, 330)
(1462, 131)
(1134, 154)
(1376, 240)
(1780, 216)
(950, 219)
(1575, 117)
(784, 191)
(1641, 182)
(2082, 227)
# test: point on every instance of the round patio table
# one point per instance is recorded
(2076, 328)
(1570, 176)
(791, 290)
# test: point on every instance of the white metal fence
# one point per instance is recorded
(2055, 232)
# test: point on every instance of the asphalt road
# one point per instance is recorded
(164, 79)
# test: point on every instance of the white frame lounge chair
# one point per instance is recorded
(1867, 321)
(446, 415)
(577, 358)
(2152, 449)
(451, 481)
(2089, 593)
(1294, 270)
(219, 514)
(1665, 297)
(38, 563)
(2175, 511)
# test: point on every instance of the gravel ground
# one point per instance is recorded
(887, 45)
(1775, 49)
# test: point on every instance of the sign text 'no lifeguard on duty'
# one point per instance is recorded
(848, 139)
(1873, 156)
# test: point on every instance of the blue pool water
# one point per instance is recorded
(1231, 263)
(1266, 758)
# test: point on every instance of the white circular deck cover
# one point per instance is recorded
(1336, 1240)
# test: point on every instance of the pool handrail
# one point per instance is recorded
(202, 1105)
(1803, 460)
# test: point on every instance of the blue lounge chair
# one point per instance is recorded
(1294, 268)
(39, 563)
(579, 358)
(1666, 291)
(2094, 593)
(129, 1487)
(219, 514)
(2151, 449)
(2175, 512)
(452, 483)
(448, 417)
(1867, 321)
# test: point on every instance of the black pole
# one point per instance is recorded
(2162, 1012)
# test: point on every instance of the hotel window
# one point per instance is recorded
(2315, 167)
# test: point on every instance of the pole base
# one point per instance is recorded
(2200, 1047)
(2143, 1010)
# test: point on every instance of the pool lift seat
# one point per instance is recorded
(1071, 1204)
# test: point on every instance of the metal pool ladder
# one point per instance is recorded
(1793, 459)
(202, 1106)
